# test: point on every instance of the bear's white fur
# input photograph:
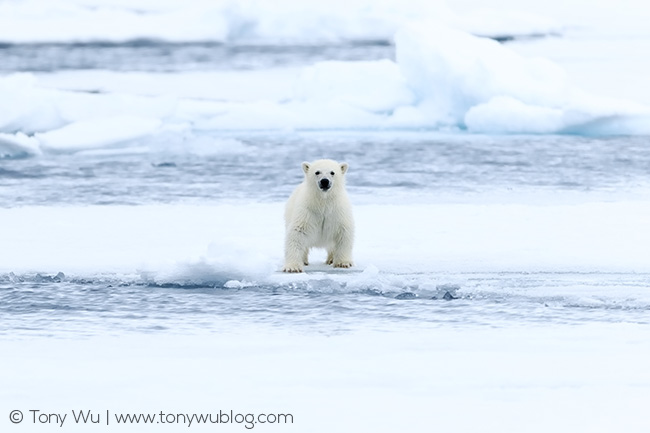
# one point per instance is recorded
(321, 217)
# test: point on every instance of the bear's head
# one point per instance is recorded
(325, 174)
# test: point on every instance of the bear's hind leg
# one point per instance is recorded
(330, 257)
(305, 257)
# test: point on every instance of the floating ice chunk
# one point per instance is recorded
(409, 117)
(98, 133)
(451, 71)
(225, 85)
(475, 83)
(75, 107)
(374, 86)
(170, 143)
(60, 276)
(24, 107)
(27, 108)
(236, 284)
(406, 295)
(14, 90)
(592, 117)
(18, 145)
(444, 79)
(370, 271)
(613, 125)
(292, 115)
(448, 296)
(504, 114)
(446, 292)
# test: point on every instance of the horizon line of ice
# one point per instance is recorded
(226, 21)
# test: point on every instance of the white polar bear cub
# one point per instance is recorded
(319, 214)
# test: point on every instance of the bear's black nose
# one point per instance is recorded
(324, 184)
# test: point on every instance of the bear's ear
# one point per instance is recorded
(305, 167)
(344, 167)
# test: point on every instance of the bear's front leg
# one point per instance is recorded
(295, 250)
(342, 254)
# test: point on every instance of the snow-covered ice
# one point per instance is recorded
(101, 132)
(229, 85)
(535, 379)
(441, 79)
(586, 237)
(18, 145)
(443, 76)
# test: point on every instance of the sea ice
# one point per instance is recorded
(478, 84)
(355, 84)
(444, 78)
(18, 145)
(231, 240)
(101, 132)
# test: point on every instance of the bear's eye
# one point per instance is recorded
(332, 173)
(317, 173)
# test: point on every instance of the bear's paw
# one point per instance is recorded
(292, 268)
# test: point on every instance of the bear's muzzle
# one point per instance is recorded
(324, 184)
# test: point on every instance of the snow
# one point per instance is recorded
(511, 379)
(232, 239)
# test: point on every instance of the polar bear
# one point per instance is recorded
(319, 214)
